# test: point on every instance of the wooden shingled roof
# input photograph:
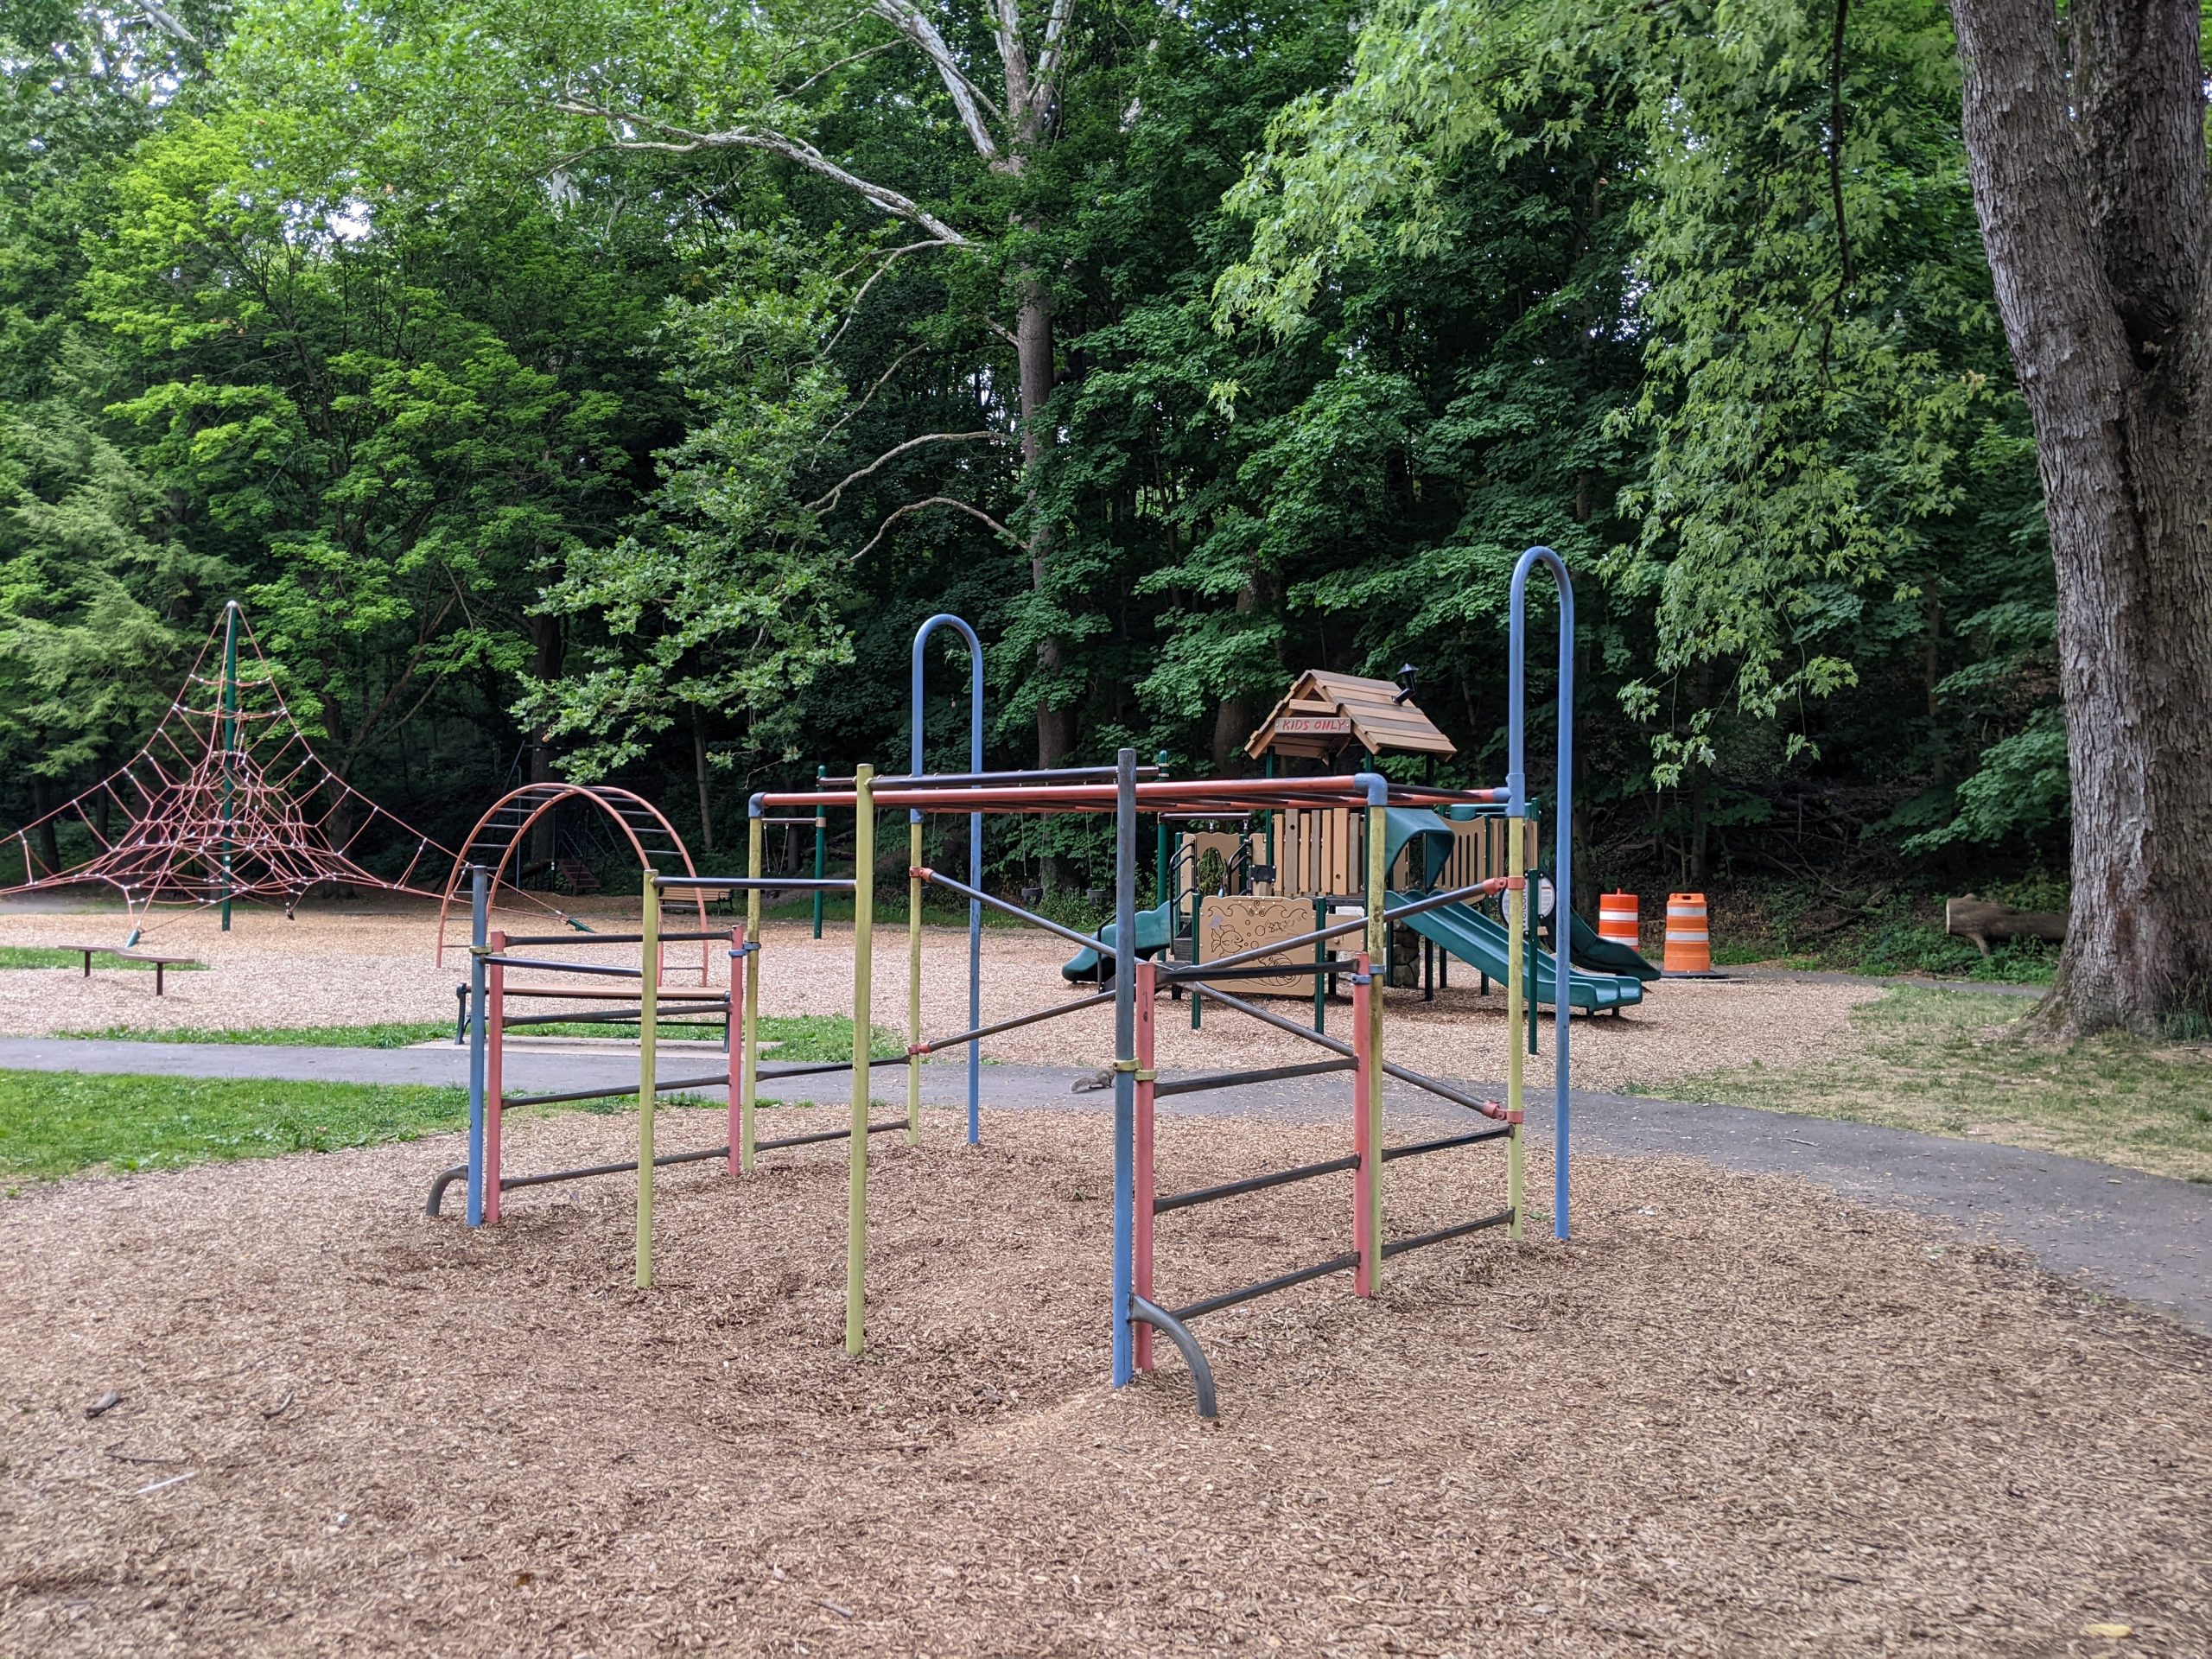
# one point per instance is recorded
(1326, 713)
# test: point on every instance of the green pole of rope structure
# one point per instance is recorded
(820, 855)
(648, 1076)
(863, 1007)
(230, 743)
(1378, 934)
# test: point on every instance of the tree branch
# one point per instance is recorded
(828, 502)
(897, 513)
(683, 141)
(967, 98)
(853, 310)
(896, 363)
(1048, 60)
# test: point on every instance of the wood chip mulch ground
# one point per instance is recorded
(1735, 1417)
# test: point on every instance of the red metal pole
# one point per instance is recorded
(1147, 987)
(735, 1029)
(1363, 990)
(495, 1026)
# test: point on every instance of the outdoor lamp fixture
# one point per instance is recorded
(1408, 674)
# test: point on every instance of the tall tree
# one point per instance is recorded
(2087, 140)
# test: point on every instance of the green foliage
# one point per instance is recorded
(55, 1123)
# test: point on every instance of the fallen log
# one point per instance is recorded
(1980, 920)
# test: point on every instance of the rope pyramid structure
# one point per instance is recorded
(228, 800)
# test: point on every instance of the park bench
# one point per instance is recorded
(160, 964)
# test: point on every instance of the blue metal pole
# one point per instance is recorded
(1125, 1060)
(480, 942)
(946, 619)
(1517, 780)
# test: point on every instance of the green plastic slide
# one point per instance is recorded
(1480, 943)
(1155, 927)
(1587, 948)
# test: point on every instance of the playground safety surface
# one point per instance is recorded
(1737, 1414)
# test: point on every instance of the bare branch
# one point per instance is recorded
(829, 501)
(935, 501)
(1014, 58)
(831, 68)
(967, 98)
(1002, 332)
(1048, 60)
(868, 397)
(682, 141)
(873, 278)
(167, 21)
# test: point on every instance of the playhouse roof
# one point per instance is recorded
(1324, 713)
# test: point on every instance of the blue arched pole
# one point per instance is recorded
(946, 619)
(1517, 781)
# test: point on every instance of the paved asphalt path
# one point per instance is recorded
(2144, 1237)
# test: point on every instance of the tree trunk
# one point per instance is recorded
(699, 771)
(2092, 186)
(46, 845)
(545, 666)
(1032, 337)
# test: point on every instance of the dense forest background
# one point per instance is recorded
(543, 428)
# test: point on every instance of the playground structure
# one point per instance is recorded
(1125, 792)
(228, 800)
(1285, 871)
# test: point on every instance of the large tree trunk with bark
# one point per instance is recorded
(1033, 340)
(2091, 179)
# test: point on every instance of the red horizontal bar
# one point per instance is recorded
(1174, 794)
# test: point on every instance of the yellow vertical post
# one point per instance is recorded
(748, 1086)
(1516, 920)
(1377, 944)
(914, 983)
(648, 1076)
(863, 1010)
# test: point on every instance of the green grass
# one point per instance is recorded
(56, 1123)
(53, 1123)
(799, 1037)
(1948, 1063)
(40, 956)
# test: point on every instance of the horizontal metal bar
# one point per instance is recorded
(1442, 1090)
(595, 1017)
(578, 994)
(1401, 1246)
(782, 1142)
(1034, 775)
(1238, 1079)
(720, 1082)
(1266, 1017)
(600, 970)
(1191, 1311)
(1253, 1184)
(1014, 1024)
(760, 883)
(1258, 970)
(937, 879)
(823, 1068)
(610, 938)
(509, 1182)
(1419, 1146)
(817, 821)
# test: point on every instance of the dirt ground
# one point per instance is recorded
(344, 966)
(1735, 1417)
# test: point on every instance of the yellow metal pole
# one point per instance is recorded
(748, 1086)
(1516, 920)
(914, 983)
(1377, 942)
(648, 1077)
(863, 1007)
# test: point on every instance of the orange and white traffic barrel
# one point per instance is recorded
(1617, 919)
(1689, 940)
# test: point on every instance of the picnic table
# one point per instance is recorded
(161, 964)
